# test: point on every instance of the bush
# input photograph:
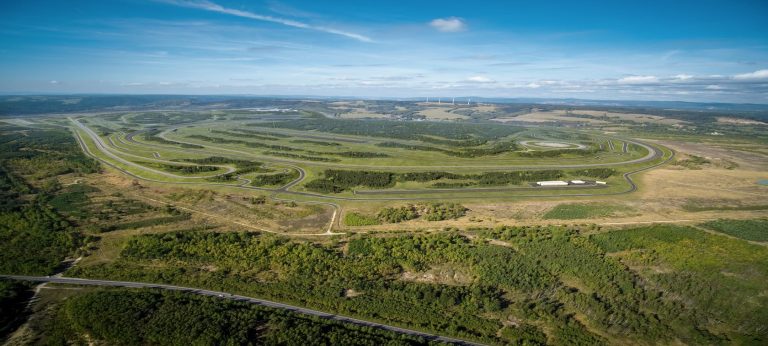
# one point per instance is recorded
(444, 211)
(356, 219)
(400, 214)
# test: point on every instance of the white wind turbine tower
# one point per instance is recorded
(453, 101)
(468, 101)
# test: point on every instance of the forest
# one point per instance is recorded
(151, 317)
(34, 237)
(536, 277)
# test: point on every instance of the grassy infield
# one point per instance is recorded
(396, 159)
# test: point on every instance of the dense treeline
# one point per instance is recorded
(277, 179)
(258, 136)
(152, 136)
(306, 141)
(431, 131)
(139, 317)
(189, 169)
(13, 299)
(245, 143)
(262, 133)
(558, 152)
(496, 149)
(302, 157)
(601, 173)
(430, 212)
(243, 167)
(358, 154)
(336, 181)
(428, 176)
(517, 177)
(168, 118)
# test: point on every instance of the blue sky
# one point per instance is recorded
(647, 50)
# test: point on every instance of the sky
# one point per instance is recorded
(706, 51)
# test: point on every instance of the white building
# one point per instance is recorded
(578, 182)
(601, 183)
(552, 183)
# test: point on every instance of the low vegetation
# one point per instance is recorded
(581, 211)
(357, 219)
(756, 230)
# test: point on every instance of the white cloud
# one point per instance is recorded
(54, 82)
(533, 85)
(682, 77)
(450, 24)
(759, 74)
(713, 87)
(638, 80)
(213, 7)
(480, 79)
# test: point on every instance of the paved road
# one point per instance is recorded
(224, 295)
(274, 192)
(106, 150)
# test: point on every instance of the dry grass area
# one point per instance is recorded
(442, 113)
(232, 210)
(445, 275)
(538, 116)
(739, 121)
(549, 116)
(634, 117)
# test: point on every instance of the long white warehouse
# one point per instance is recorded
(552, 183)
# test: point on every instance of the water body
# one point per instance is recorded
(763, 182)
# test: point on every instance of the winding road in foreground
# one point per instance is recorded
(224, 295)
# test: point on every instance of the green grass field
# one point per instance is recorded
(756, 230)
